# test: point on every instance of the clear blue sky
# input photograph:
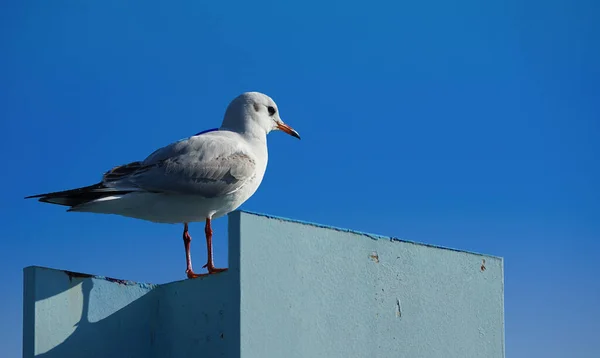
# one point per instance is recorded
(467, 124)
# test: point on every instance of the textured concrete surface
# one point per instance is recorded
(293, 290)
(311, 291)
(78, 315)
(74, 315)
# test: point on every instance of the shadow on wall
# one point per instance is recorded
(78, 322)
(77, 315)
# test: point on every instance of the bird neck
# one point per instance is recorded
(249, 131)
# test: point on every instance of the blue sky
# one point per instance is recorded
(469, 124)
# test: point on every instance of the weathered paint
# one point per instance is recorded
(69, 314)
(313, 291)
(293, 289)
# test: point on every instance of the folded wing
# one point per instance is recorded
(207, 165)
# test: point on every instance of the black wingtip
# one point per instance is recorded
(77, 196)
(34, 196)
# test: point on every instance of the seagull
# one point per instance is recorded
(195, 179)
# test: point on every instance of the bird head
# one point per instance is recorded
(255, 112)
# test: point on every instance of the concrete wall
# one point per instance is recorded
(74, 315)
(293, 290)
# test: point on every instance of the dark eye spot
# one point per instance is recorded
(271, 110)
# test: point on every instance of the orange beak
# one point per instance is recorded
(289, 130)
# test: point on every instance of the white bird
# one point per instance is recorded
(196, 179)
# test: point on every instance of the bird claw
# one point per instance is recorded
(216, 270)
(191, 274)
(212, 269)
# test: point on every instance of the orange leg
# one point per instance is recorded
(187, 239)
(210, 266)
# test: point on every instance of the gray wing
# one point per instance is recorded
(207, 165)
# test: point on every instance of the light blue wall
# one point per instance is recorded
(310, 291)
(292, 290)
(69, 316)
(197, 318)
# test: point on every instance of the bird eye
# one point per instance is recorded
(271, 110)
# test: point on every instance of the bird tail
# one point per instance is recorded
(78, 196)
